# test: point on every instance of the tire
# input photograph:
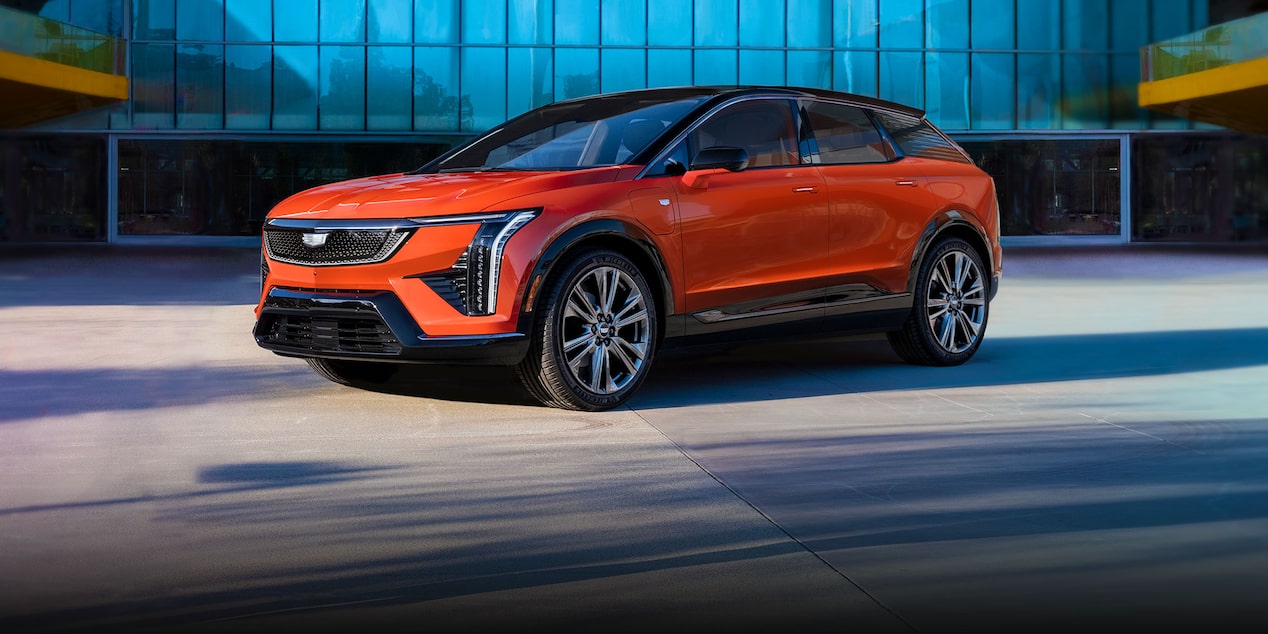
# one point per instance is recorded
(596, 338)
(353, 373)
(948, 315)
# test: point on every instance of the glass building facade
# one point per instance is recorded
(237, 103)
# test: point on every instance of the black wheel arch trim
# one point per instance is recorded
(951, 220)
(603, 228)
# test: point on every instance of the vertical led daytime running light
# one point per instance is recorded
(484, 260)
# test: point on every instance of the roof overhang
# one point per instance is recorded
(37, 90)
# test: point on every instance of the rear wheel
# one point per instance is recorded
(596, 336)
(345, 372)
(948, 316)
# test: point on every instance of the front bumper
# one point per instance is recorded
(370, 326)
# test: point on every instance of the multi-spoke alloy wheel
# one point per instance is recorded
(597, 337)
(950, 308)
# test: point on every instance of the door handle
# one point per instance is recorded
(905, 183)
(806, 190)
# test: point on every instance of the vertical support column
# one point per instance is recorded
(1125, 187)
(112, 188)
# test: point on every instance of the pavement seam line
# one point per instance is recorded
(682, 450)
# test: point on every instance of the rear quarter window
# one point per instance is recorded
(915, 137)
(844, 134)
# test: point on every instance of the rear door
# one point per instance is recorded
(878, 202)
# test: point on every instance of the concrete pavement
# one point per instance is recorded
(1099, 466)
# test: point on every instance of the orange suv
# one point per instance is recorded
(576, 240)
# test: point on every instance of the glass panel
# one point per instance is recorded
(153, 85)
(1085, 25)
(668, 67)
(1196, 187)
(762, 68)
(762, 128)
(1170, 19)
(844, 134)
(227, 187)
(1036, 26)
(665, 20)
(993, 24)
(902, 78)
(342, 21)
(1049, 187)
(993, 92)
(624, 22)
(1083, 97)
(200, 88)
(483, 22)
(342, 104)
(1130, 19)
(623, 69)
(248, 21)
(761, 23)
(248, 86)
(1124, 111)
(200, 20)
(576, 72)
(810, 69)
(436, 101)
(388, 21)
(902, 24)
(577, 22)
(715, 23)
(296, 20)
(436, 21)
(855, 72)
(854, 23)
(715, 68)
(483, 87)
(947, 89)
(54, 189)
(948, 23)
(388, 87)
(295, 87)
(1039, 90)
(530, 79)
(807, 26)
(154, 20)
(530, 22)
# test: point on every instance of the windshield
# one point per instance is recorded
(571, 135)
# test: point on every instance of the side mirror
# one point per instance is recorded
(732, 159)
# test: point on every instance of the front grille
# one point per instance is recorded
(341, 246)
(350, 334)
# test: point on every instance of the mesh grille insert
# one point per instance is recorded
(360, 334)
(341, 246)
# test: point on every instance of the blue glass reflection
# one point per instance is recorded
(623, 69)
(389, 21)
(665, 23)
(577, 22)
(624, 22)
(200, 91)
(1037, 26)
(993, 24)
(715, 67)
(200, 20)
(761, 23)
(248, 86)
(388, 87)
(808, 23)
(248, 21)
(294, 87)
(435, 21)
(902, 24)
(714, 23)
(947, 89)
(484, 22)
(530, 79)
(668, 67)
(483, 87)
(993, 92)
(530, 22)
(810, 69)
(902, 78)
(1083, 91)
(436, 101)
(949, 23)
(855, 72)
(855, 24)
(300, 23)
(762, 68)
(576, 72)
(1038, 89)
(342, 20)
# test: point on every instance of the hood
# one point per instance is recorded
(403, 195)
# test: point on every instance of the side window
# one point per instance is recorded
(915, 137)
(845, 135)
(764, 128)
(673, 165)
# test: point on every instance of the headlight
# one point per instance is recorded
(482, 261)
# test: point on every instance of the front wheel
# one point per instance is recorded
(596, 335)
(948, 316)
